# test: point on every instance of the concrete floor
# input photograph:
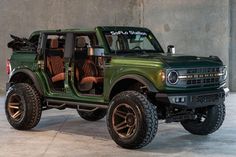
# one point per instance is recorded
(64, 133)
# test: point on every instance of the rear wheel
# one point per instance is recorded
(23, 107)
(208, 120)
(132, 120)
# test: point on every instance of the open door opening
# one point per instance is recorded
(54, 56)
(89, 70)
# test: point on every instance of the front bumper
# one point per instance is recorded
(195, 99)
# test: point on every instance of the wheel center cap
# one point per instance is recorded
(130, 120)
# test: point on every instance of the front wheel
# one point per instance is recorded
(208, 120)
(132, 120)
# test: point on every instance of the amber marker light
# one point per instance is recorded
(162, 75)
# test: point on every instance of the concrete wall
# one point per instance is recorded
(195, 27)
(21, 17)
(199, 27)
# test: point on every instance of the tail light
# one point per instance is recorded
(8, 66)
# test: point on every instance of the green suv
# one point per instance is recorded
(118, 72)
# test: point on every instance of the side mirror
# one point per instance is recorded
(170, 49)
(95, 51)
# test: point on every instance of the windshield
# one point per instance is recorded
(132, 42)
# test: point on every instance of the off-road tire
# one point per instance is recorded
(93, 116)
(214, 118)
(145, 115)
(29, 102)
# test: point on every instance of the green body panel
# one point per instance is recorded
(183, 61)
(122, 66)
(27, 60)
(148, 66)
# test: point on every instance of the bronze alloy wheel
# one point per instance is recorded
(23, 106)
(124, 120)
(15, 107)
(132, 120)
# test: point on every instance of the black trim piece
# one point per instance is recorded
(8, 85)
(64, 103)
(194, 99)
(139, 78)
(32, 77)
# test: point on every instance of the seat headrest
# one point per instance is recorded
(54, 44)
(81, 42)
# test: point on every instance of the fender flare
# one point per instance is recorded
(30, 74)
(138, 78)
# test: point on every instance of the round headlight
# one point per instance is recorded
(172, 77)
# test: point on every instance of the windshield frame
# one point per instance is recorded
(154, 42)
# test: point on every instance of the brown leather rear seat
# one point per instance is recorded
(55, 63)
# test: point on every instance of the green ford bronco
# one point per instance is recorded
(118, 72)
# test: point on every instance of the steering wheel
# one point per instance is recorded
(136, 47)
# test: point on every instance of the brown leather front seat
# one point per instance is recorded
(55, 64)
(90, 72)
(87, 76)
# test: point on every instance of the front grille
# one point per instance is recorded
(202, 81)
(203, 70)
(200, 77)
